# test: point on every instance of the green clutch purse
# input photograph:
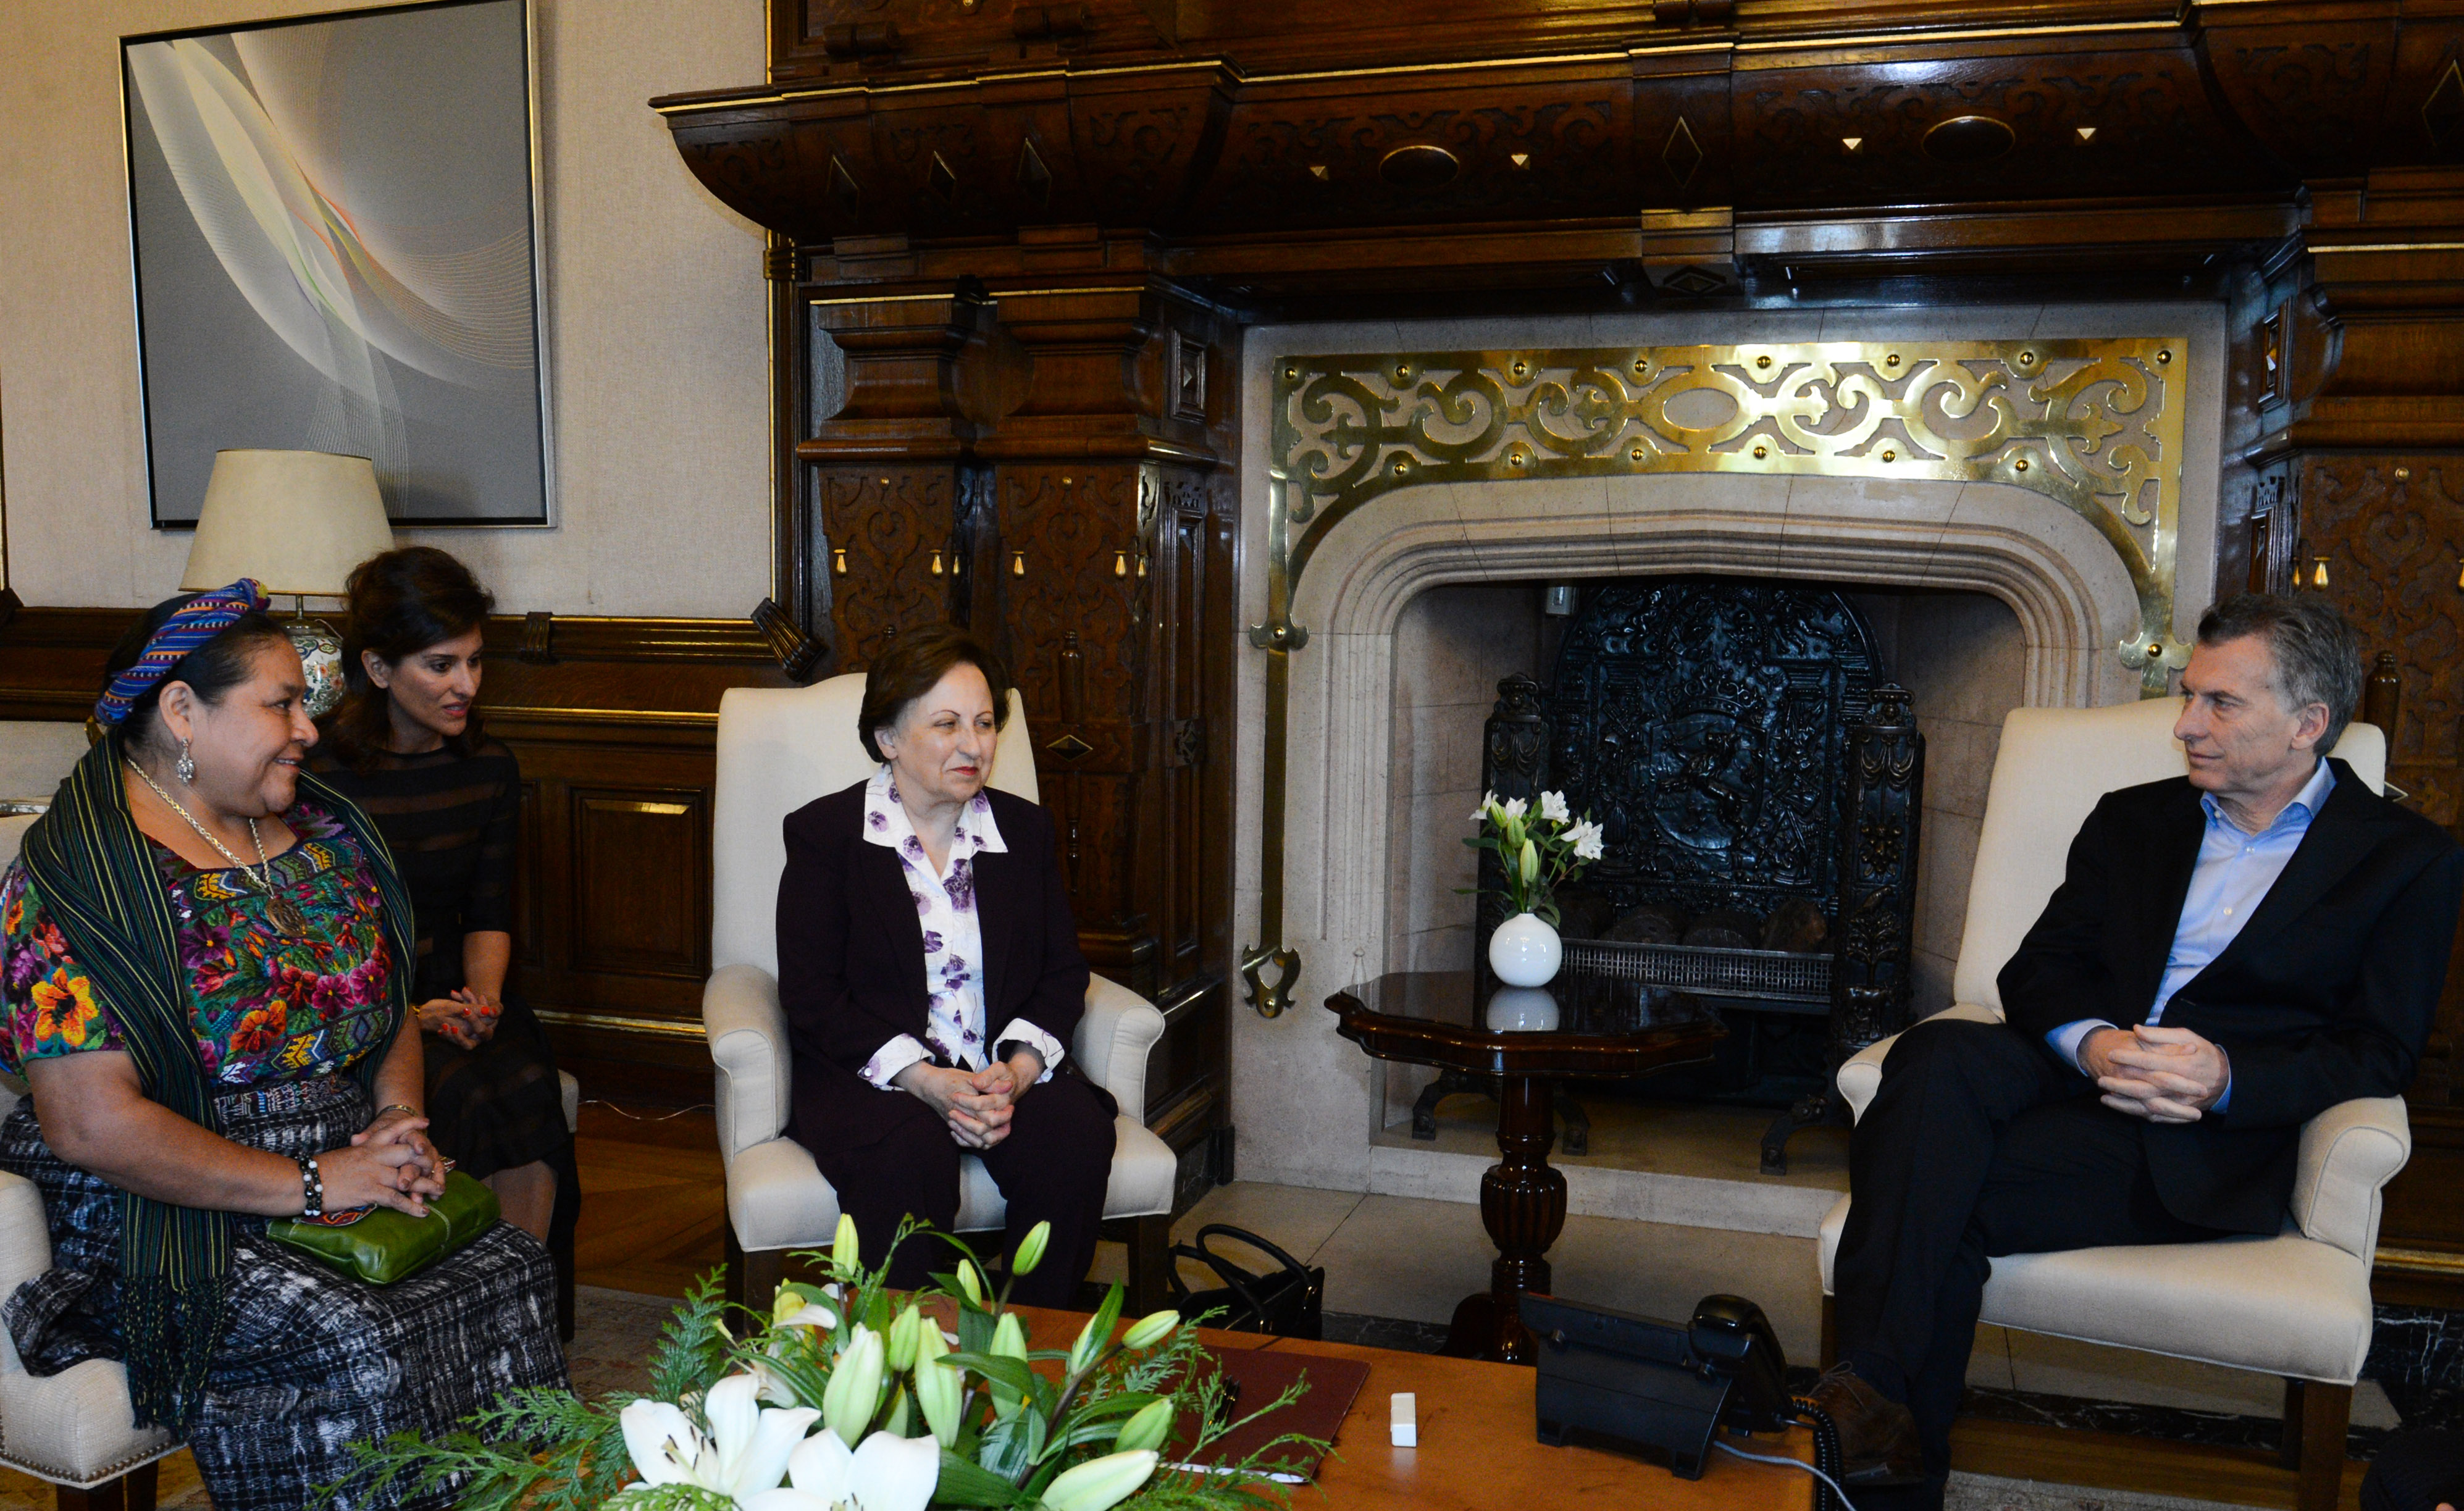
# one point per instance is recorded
(379, 1245)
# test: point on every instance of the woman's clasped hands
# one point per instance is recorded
(975, 1104)
(467, 1019)
(389, 1163)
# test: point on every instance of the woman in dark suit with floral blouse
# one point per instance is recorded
(930, 973)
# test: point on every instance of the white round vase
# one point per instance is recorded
(1522, 1010)
(1525, 951)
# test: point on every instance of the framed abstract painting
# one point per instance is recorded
(335, 227)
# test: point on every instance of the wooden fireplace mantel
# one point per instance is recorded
(1265, 149)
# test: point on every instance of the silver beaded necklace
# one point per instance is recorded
(280, 910)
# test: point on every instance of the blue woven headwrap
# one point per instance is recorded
(192, 624)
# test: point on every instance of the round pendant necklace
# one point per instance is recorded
(280, 910)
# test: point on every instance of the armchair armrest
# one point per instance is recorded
(2348, 1152)
(25, 1247)
(1861, 1074)
(1115, 1034)
(748, 1043)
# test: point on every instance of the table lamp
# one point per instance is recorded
(297, 522)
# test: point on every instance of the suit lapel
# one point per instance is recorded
(893, 910)
(2343, 832)
(2169, 882)
(994, 906)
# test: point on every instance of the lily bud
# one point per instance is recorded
(1530, 865)
(844, 1255)
(854, 1391)
(1009, 1342)
(938, 1387)
(896, 1425)
(1150, 1329)
(1148, 1428)
(903, 1336)
(1100, 1483)
(1082, 1353)
(1030, 1249)
(970, 1282)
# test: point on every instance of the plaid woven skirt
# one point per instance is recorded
(311, 1361)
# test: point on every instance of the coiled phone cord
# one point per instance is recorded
(1827, 1462)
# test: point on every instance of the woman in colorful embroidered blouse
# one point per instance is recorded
(201, 960)
(930, 978)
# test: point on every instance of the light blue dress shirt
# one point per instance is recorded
(2235, 871)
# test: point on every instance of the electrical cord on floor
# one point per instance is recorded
(1828, 1463)
(645, 1117)
(1830, 1485)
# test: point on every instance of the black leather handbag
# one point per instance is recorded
(1288, 1302)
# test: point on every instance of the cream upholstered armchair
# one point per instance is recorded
(2297, 1304)
(778, 749)
(74, 1428)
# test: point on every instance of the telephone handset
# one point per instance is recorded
(1729, 1334)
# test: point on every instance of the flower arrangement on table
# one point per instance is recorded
(1539, 851)
(845, 1396)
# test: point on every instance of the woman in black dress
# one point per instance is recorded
(406, 746)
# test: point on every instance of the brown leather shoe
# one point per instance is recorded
(1877, 1437)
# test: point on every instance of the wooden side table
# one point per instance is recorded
(1577, 1026)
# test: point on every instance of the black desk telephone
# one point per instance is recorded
(1654, 1385)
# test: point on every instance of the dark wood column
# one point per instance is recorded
(1041, 462)
(2352, 356)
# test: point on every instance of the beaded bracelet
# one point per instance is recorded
(398, 1107)
(312, 1189)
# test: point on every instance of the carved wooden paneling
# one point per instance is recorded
(2391, 530)
(889, 547)
(1070, 559)
(2147, 117)
(641, 878)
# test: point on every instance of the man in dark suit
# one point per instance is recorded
(2230, 954)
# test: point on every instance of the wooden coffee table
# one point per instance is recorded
(1479, 1450)
(1591, 1027)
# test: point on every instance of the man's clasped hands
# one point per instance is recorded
(2164, 1075)
(976, 1104)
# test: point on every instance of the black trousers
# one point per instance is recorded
(2416, 1472)
(1052, 1168)
(1978, 1145)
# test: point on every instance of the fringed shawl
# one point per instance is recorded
(100, 885)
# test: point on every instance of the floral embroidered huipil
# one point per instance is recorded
(954, 954)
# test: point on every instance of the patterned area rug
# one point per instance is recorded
(1987, 1493)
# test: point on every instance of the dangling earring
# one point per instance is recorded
(186, 765)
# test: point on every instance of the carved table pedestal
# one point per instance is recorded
(1576, 1026)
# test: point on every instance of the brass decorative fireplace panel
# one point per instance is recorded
(2094, 425)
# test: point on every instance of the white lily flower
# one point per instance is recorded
(1552, 807)
(665, 1447)
(1512, 808)
(1586, 839)
(809, 1316)
(746, 1450)
(1487, 803)
(885, 1473)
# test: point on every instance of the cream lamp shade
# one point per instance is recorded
(297, 521)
